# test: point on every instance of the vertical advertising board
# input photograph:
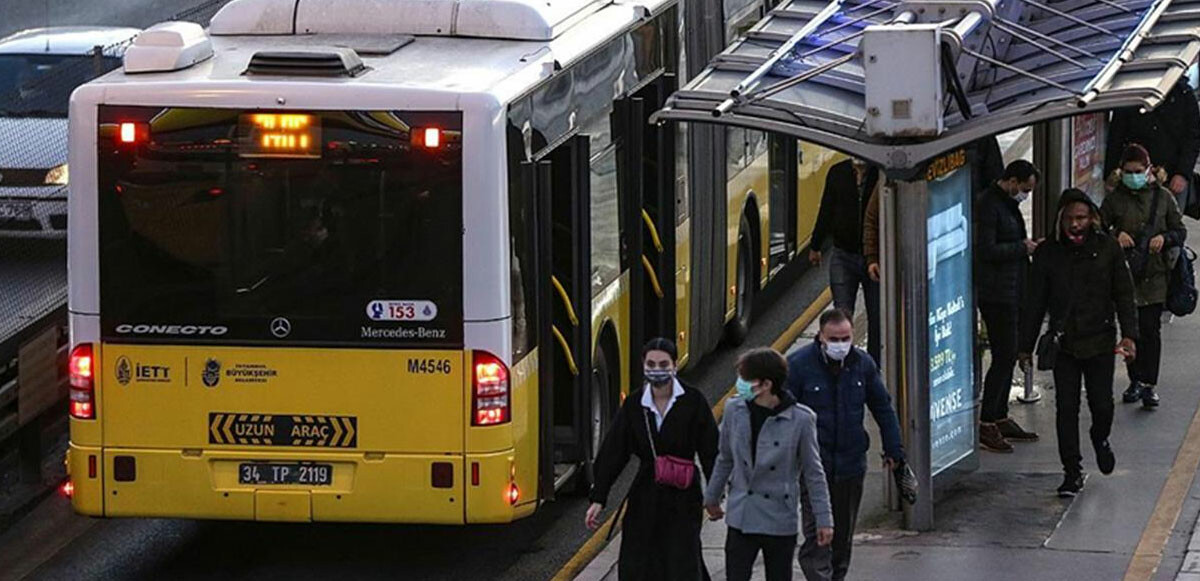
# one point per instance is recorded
(950, 312)
(1087, 154)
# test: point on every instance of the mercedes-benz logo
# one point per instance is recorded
(281, 327)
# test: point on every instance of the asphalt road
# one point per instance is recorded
(53, 543)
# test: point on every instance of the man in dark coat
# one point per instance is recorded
(1002, 250)
(1081, 279)
(848, 187)
(1170, 132)
(839, 381)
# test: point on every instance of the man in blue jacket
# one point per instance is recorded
(837, 380)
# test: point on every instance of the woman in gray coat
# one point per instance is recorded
(768, 442)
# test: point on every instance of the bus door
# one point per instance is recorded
(653, 216)
(561, 183)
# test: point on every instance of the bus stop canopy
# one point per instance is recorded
(999, 65)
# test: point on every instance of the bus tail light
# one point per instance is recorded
(514, 493)
(490, 390)
(428, 137)
(67, 488)
(83, 383)
(132, 133)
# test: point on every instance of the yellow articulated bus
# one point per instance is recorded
(350, 260)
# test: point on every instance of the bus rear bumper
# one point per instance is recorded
(365, 487)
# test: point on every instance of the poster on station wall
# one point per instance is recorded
(951, 312)
(1087, 153)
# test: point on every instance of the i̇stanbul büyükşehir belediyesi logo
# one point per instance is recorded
(211, 375)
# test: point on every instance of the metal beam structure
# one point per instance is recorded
(1020, 61)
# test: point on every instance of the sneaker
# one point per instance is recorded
(1149, 397)
(1011, 430)
(1132, 393)
(991, 439)
(1071, 487)
(1105, 457)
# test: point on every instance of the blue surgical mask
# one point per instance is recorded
(744, 389)
(1134, 181)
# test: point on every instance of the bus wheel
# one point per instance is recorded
(597, 419)
(737, 328)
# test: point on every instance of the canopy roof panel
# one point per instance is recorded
(1018, 62)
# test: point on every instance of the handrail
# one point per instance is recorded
(654, 284)
(653, 230)
(562, 342)
(562, 292)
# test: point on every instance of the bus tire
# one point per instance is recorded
(599, 417)
(738, 328)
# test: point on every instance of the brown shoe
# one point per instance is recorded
(991, 440)
(1011, 430)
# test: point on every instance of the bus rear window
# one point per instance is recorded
(282, 228)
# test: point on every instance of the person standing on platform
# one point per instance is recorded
(1169, 132)
(1146, 221)
(848, 187)
(1002, 250)
(1081, 280)
(837, 381)
(768, 443)
(665, 419)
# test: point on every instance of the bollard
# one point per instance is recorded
(1031, 393)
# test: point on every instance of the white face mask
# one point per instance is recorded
(1021, 197)
(838, 351)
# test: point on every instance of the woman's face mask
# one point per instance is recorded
(1134, 180)
(658, 376)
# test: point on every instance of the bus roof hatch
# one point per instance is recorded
(900, 82)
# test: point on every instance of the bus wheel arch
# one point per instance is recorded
(602, 397)
(747, 274)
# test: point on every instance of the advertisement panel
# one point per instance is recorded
(951, 312)
(1087, 153)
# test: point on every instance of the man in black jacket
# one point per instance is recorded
(1082, 281)
(1170, 132)
(848, 187)
(1002, 250)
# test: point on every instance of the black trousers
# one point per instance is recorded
(1070, 375)
(1001, 321)
(1144, 367)
(832, 562)
(742, 548)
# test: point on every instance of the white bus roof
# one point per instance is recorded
(503, 68)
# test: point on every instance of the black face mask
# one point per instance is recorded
(658, 376)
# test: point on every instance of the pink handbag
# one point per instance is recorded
(671, 471)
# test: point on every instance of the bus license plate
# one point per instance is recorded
(303, 474)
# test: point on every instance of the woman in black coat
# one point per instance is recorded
(660, 536)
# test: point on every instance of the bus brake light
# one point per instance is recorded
(130, 133)
(83, 384)
(429, 137)
(490, 397)
(514, 493)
